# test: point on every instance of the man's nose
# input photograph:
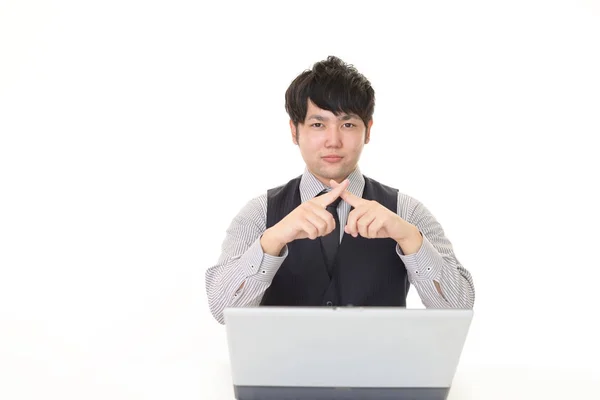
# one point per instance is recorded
(334, 137)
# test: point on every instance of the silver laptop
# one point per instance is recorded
(317, 353)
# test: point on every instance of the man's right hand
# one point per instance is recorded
(309, 220)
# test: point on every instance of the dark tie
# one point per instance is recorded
(331, 242)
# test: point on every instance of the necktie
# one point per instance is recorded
(331, 242)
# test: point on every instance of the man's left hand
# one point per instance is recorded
(371, 220)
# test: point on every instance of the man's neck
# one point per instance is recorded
(325, 181)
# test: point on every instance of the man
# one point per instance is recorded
(287, 247)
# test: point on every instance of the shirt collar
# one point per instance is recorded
(310, 186)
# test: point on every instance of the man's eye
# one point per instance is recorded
(349, 125)
(317, 125)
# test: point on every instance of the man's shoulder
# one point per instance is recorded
(255, 207)
(284, 188)
(383, 186)
(291, 182)
(381, 190)
(406, 204)
(401, 195)
(258, 204)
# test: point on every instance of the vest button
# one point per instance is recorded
(329, 303)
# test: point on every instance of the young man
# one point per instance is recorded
(333, 236)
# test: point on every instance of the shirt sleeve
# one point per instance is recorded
(434, 265)
(242, 262)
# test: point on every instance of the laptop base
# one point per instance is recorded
(332, 393)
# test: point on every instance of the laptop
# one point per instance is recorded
(349, 353)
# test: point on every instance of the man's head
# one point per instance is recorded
(331, 112)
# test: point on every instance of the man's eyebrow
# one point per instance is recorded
(344, 117)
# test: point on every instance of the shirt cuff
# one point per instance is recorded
(262, 266)
(425, 264)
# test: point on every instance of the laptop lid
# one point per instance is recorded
(345, 347)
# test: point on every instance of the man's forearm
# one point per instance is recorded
(440, 282)
(241, 282)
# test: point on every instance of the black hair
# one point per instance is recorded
(332, 85)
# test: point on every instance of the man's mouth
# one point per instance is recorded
(332, 158)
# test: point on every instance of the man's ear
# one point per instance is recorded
(368, 132)
(294, 131)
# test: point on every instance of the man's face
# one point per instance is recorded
(330, 145)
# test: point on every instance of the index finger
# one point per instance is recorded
(330, 197)
(352, 199)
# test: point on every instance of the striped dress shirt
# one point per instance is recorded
(243, 261)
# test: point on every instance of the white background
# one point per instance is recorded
(132, 132)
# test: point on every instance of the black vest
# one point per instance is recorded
(366, 272)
